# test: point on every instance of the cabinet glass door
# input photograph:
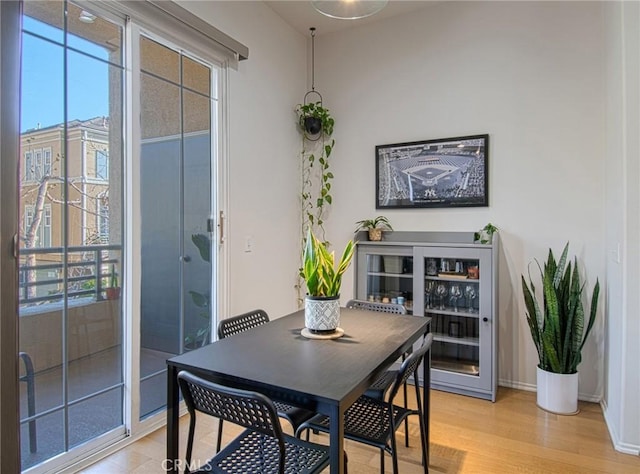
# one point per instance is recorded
(456, 293)
(388, 277)
(451, 292)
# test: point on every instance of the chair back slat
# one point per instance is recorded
(237, 324)
(249, 409)
(410, 366)
(394, 308)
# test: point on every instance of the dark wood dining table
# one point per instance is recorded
(325, 376)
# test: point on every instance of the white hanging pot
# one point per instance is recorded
(322, 313)
(557, 393)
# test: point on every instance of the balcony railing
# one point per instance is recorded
(88, 270)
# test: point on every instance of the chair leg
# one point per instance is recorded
(423, 433)
(423, 439)
(382, 461)
(346, 463)
(219, 436)
(394, 453)
(406, 420)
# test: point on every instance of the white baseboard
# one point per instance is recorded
(532, 388)
(618, 445)
(517, 385)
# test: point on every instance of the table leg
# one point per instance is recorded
(336, 441)
(173, 407)
(426, 397)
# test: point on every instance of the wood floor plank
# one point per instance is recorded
(468, 435)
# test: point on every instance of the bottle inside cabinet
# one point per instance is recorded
(452, 301)
(390, 279)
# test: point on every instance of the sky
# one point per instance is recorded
(42, 92)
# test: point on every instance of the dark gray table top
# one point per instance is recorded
(276, 359)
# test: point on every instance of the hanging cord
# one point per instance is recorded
(313, 58)
(311, 134)
(313, 69)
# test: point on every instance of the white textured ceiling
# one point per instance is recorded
(302, 16)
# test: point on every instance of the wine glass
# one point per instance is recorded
(455, 293)
(470, 295)
(428, 293)
(441, 293)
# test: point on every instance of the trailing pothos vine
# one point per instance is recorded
(316, 127)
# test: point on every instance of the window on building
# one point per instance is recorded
(46, 162)
(45, 228)
(102, 218)
(28, 166)
(28, 218)
(38, 164)
(102, 164)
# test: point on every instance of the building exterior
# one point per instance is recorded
(44, 199)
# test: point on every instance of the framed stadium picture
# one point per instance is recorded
(447, 172)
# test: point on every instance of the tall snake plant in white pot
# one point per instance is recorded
(558, 331)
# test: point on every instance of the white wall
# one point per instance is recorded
(544, 79)
(264, 143)
(621, 402)
(529, 74)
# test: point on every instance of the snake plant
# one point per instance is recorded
(558, 328)
(318, 271)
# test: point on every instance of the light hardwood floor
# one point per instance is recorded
(468, 435)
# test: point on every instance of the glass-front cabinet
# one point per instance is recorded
(452, 280)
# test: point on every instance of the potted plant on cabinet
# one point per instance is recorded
(113, 290)
(374, 227)
(485, 235)
(558, 331)
(323, 280)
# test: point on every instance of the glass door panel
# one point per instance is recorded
(456, 295)
(388, 277)
(451, 299)
(176, 208)
(197, 213)
(71, 377)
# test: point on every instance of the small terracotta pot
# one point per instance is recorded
(112, 293)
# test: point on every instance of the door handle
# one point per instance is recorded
(185, 258)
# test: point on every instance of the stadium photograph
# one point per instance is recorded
(448, 172)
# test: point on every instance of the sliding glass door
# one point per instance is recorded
(117, 165)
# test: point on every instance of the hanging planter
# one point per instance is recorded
(312, 125)
(314, 120)
(316, 127)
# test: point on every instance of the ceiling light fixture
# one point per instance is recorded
(348, 9)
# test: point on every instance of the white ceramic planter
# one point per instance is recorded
(557, 393)
(322, 314)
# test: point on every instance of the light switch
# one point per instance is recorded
(248, 243)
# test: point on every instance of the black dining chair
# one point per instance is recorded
(380, 386)
(243, 322)
(263, 447)
(374, 422)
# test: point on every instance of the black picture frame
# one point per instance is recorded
(446, 172)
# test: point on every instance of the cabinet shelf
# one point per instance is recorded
(463, 341)
(386, 274)
(459, 279)
(452, 365)
(451, 312)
